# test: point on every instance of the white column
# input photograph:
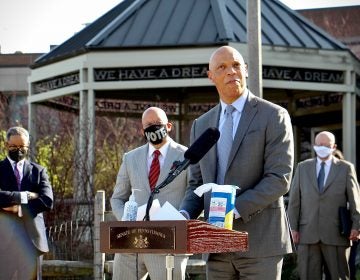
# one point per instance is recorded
(83, 133)
(349, 121)
(91, 136)
(99, 258)
(32, 107)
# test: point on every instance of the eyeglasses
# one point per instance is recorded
(14, 147)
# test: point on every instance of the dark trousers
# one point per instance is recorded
(352, 264)
(352, 260)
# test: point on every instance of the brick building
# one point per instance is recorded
(342, 23)
(14, 87)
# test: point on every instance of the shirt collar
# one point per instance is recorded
(327, 162)
(20, 163)
(163, 150)
(238, 103)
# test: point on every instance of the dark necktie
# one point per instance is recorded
(224, 145)
(154, 170)
(321, 177)
(17, 175)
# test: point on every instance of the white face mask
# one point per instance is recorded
(323, 151)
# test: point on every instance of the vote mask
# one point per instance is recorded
(155, 133)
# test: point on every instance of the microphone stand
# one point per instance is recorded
(176, 169)
(151, 199)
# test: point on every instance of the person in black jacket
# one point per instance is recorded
(25, 193)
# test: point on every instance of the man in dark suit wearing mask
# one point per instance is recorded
(25, 192)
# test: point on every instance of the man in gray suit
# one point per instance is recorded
(134, 175)
(260, 163)
(315, 197)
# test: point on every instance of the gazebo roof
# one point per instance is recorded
(190, 23)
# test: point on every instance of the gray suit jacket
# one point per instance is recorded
(260, 163)
(314, 214)
(133, 174)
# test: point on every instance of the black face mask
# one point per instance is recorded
(17, 155)
(155, 133)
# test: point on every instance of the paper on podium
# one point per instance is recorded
(157, 213)
(168, 212)
(155, 207)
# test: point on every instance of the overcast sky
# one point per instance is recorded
(31, 26)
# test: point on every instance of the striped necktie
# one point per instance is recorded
(154, 170)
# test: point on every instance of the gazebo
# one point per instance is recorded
(155, 52)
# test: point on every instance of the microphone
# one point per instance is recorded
(192, 155)
(202, 145)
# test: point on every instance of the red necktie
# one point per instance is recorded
(17, 175)
(154, 170)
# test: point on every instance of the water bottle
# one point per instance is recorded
(130, 208)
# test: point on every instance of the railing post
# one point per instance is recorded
(99, 258)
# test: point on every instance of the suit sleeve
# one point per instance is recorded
(122, 190)
(9, 198)
(294, 201)
(353, 196)
(191, 203)
(270, 165)
(9, 195)
(43, 187)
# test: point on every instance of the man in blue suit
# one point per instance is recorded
(25, 192)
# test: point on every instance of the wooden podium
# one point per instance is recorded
(169, 237)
